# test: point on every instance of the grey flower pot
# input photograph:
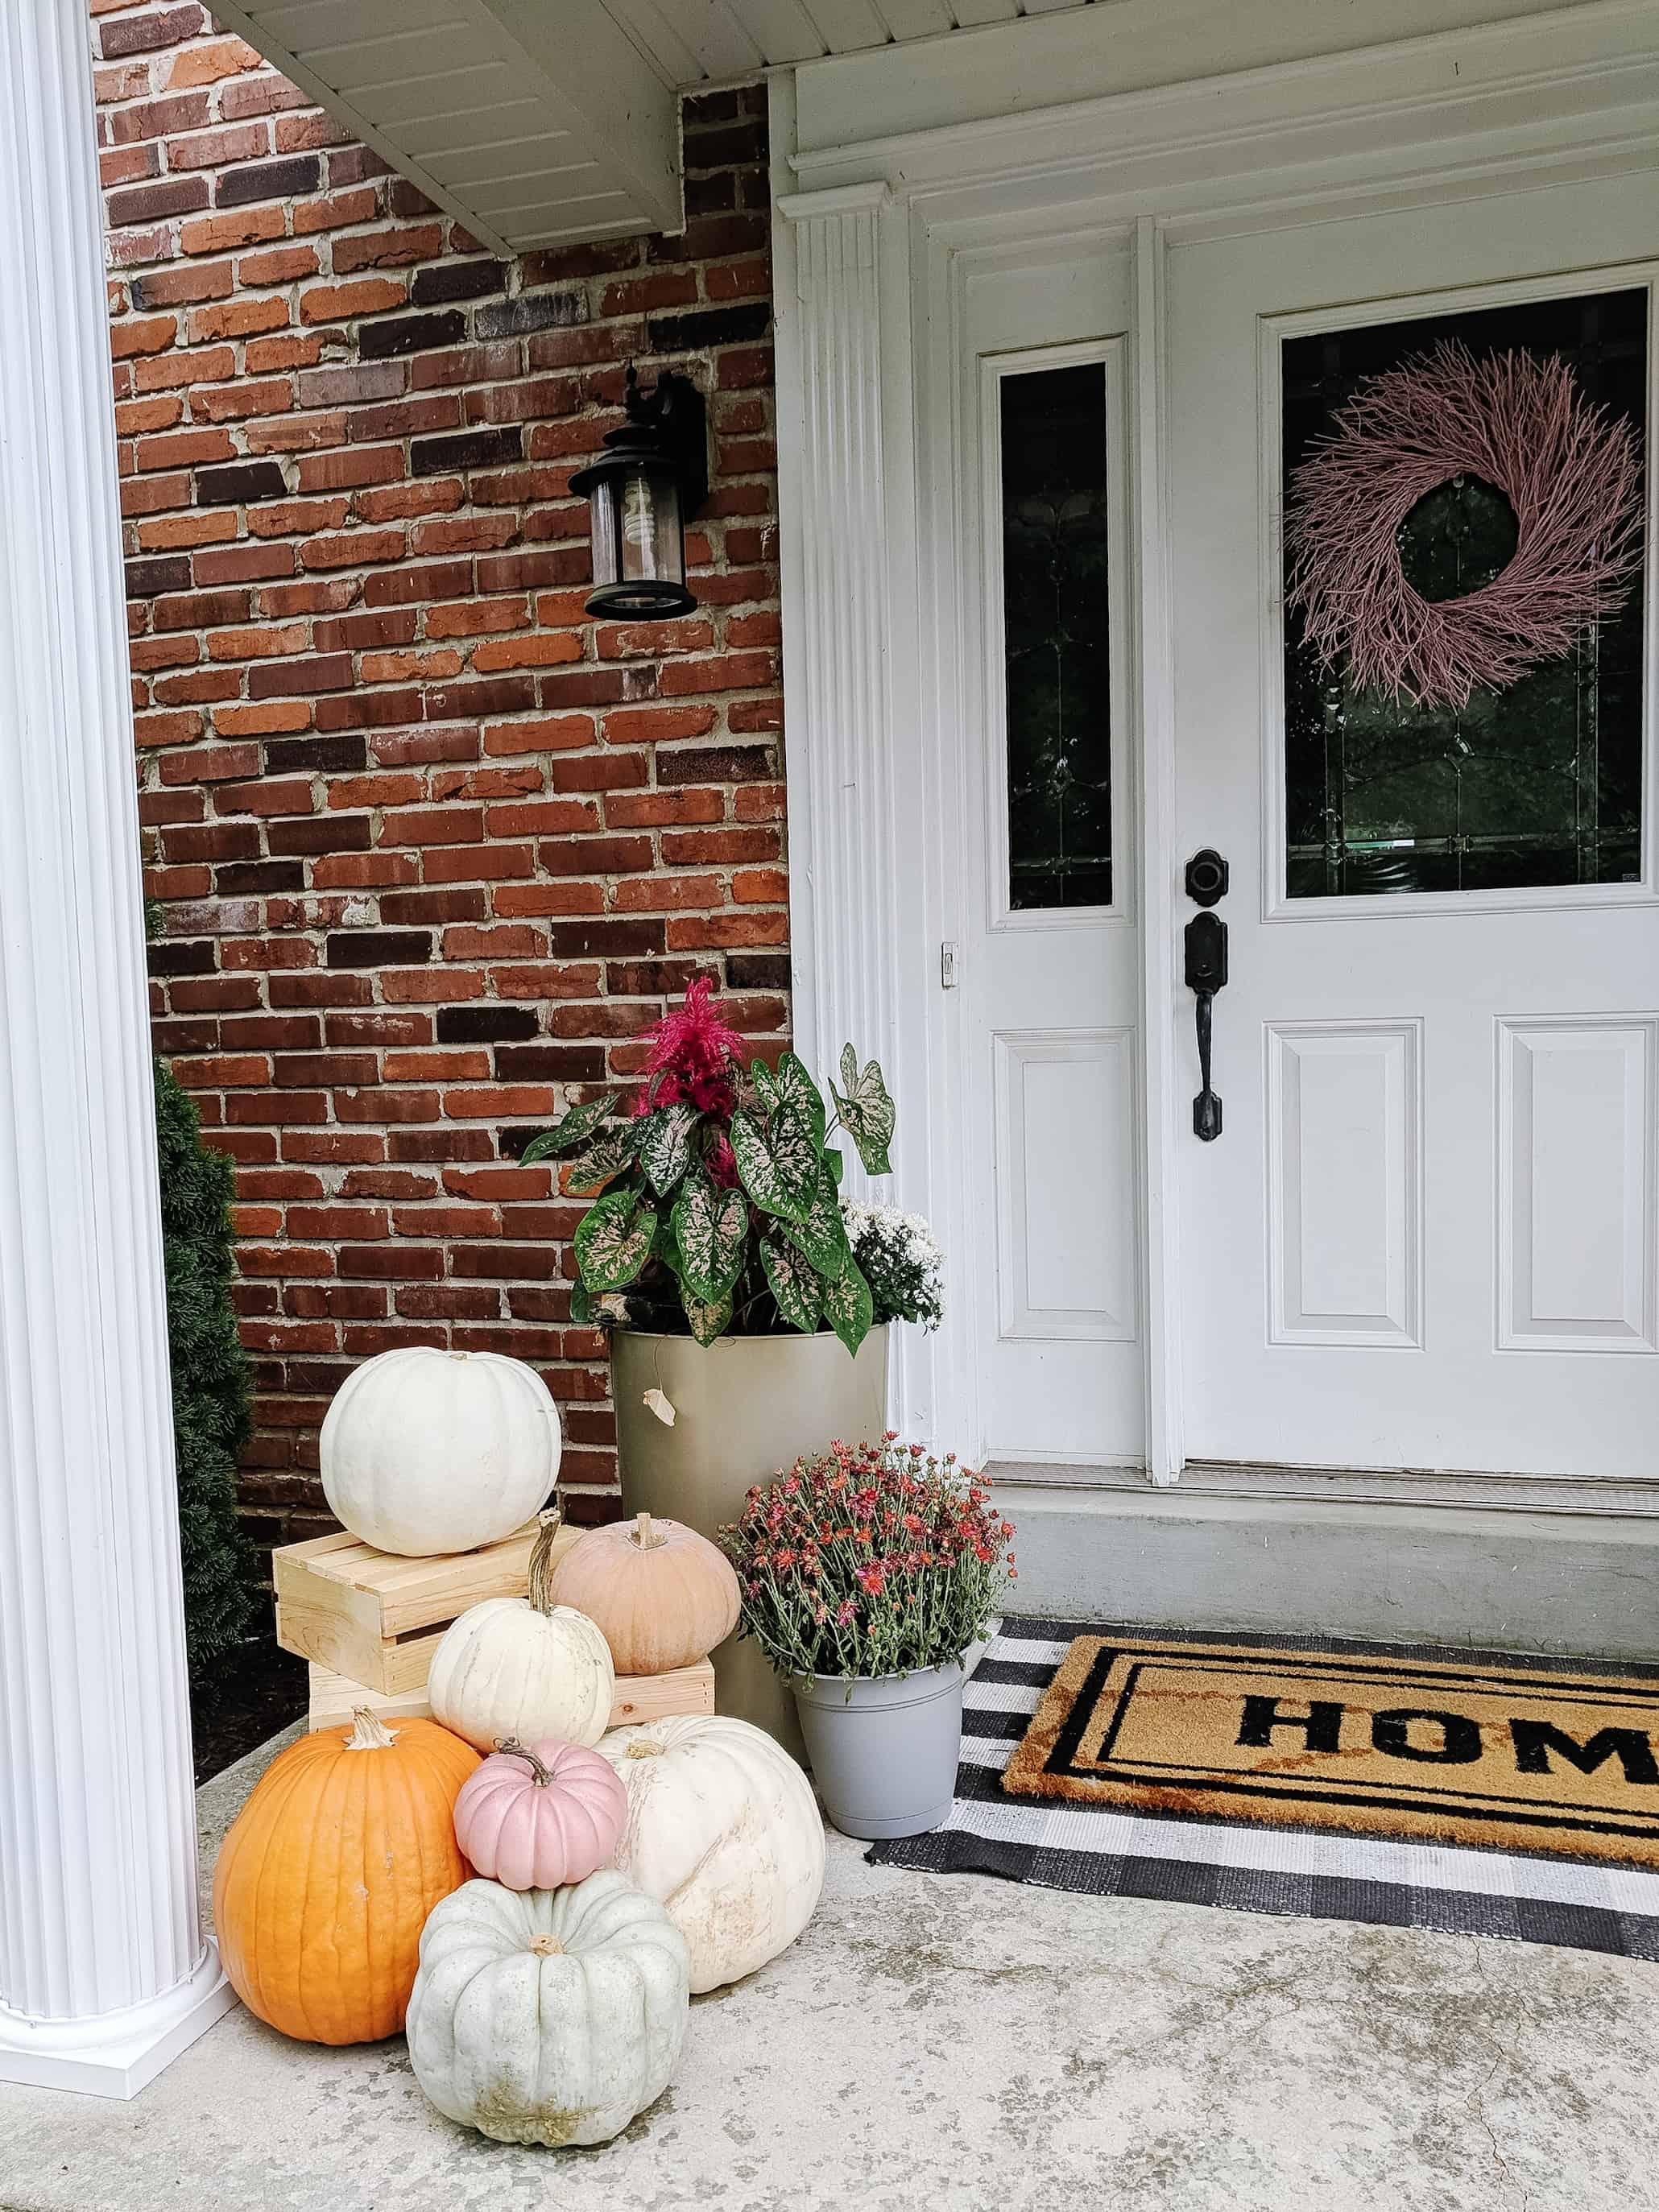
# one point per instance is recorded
(746, 1407)
(886, 1755)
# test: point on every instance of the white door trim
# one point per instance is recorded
(874, 631)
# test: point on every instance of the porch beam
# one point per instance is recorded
(104, 1973)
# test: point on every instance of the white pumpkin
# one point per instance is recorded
(425, 1452)
(723, 1830)
(548, 2016)
(523, 1667)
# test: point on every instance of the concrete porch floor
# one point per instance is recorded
(962, 2043)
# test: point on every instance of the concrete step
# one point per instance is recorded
(1505, 1578)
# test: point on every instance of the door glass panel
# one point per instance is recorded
(1054, 612)
(1537, 783)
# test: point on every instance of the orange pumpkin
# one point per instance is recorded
(660, 1595)
(328, 1873)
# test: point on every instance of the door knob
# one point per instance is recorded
(1205, 942)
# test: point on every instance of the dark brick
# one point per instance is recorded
(486, 1024)
(549, 1063)
(169, 572)
(241, 484)
(292, 679)
(253, 878)
(182, 956)
(757, 971)
(714, 764)
(708, 326)
(310, 756)
(604, 939)
(320, 833)
(379, 948)
(392, 335)
(530, 311)
(269, 181)
(469, 449)
(425, 909)
(457, 280)
(155, 202)
(649, 979)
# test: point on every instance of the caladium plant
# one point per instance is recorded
(716, 1188)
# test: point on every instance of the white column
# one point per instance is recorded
(104, 1976)
(843, 861)
(855, 840)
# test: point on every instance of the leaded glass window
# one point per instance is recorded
(1054, 541)
(1537, 784)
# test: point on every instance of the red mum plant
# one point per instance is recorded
(873, 1558)
(716, 1188)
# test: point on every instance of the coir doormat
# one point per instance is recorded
(1376, 1745)
(1473, 1793)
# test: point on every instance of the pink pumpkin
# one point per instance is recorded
(536, 1816)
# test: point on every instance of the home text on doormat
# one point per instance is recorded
(1529, 1762)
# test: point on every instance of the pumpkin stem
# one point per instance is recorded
(547, 1946)
(510, 1747)
(642, 1747)
(541, 1559)
(368, 1734)
(646, 1534)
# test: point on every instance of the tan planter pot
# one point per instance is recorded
(745, 1407)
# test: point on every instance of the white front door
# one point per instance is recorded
(1427, 1235)
(1045, 963)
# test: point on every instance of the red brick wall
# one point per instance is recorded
(431, 846)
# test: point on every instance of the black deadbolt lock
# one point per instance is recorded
(1207, 877)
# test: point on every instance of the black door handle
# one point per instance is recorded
(1207, 974)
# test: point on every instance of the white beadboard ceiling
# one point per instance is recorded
(547, 122)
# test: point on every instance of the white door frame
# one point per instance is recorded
(873, 243)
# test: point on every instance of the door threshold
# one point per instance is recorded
(1499, 1493)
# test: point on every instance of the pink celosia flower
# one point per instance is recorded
(695, 1055)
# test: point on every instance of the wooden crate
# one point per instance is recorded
(638, 1698)
(377, 1618)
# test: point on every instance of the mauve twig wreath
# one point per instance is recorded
(1571, 472)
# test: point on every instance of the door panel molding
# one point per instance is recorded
(1345, 1182)
(1577, 1183)
(1068, 1216)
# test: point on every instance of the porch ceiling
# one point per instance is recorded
(541, 125)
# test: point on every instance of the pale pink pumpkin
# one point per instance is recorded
(536, 1816)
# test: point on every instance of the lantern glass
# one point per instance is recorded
(638, 539)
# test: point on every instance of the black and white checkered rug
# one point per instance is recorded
(1104, 1852)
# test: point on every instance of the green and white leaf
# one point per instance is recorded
(709, 1317)
(822, 1236)
(566, 1134)
(836, 1163)
(779, 1166)
(766, 1085)
(664, 1143)
(795, 1285)
(798, 1092)
(607, 1154)
(613, 1240)
(711, 1228)
(849, 1307)
(867, 1113)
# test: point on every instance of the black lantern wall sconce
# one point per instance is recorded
(650, 479)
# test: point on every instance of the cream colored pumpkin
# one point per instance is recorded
(548, 2016)
(664, 1597)
(523, 1667)
(723, 1830)
(425, 1452)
